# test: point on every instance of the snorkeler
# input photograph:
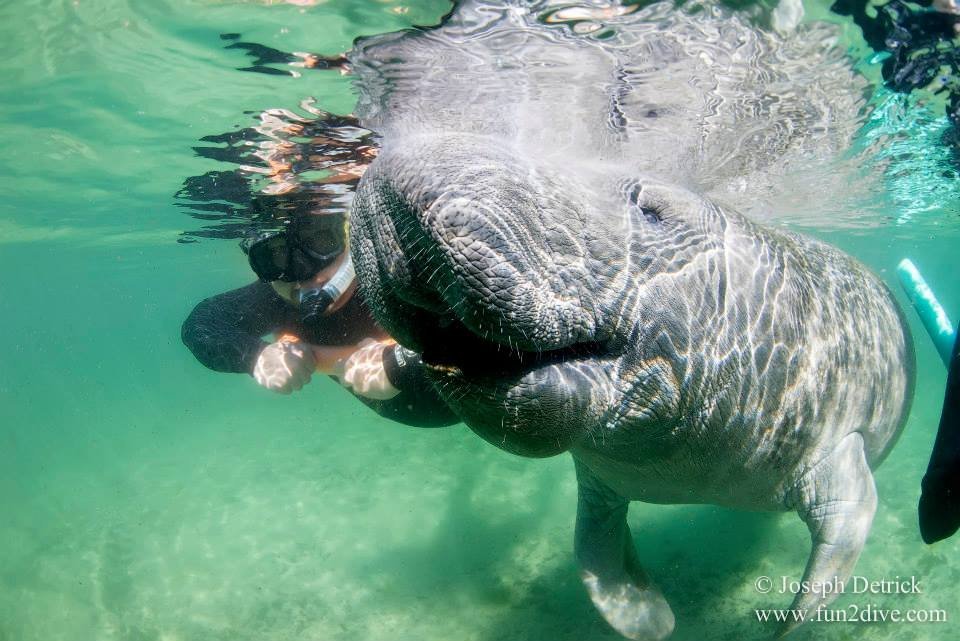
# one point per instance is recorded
(306, 297)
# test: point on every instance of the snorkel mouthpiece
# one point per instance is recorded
(314, 302)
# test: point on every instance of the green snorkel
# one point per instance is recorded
(939, 507)
(932, 314)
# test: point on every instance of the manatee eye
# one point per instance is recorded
(652, 215)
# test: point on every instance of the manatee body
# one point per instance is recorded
(573, 290)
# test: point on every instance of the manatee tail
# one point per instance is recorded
(940, 498)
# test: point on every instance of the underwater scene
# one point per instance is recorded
(364, 320)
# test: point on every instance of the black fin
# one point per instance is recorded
(940, 499)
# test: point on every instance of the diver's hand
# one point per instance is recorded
(364, 372)
(284, 366)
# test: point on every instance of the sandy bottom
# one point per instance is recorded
(348, 527)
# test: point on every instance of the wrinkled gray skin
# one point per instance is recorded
(543, 247)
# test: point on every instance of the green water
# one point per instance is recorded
(146, 498)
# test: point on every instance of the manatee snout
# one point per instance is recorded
(488, 276)
(491, 248)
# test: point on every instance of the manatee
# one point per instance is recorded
(552, 223)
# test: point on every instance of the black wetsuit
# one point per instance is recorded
(225, 333)
(940, 501)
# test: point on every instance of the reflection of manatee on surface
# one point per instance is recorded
(538, 224)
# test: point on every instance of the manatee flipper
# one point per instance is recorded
(940, 498)
(837, 499)
(609, 567)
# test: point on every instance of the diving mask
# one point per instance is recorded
(285, 256)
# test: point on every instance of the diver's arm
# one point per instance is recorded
(224, 331)
(417, 404)
(940, 500)
(392, 381)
